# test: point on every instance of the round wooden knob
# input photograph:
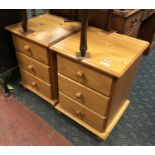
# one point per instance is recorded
(80, 74)
(27, 47)
(34, 84)
(78, 95)
(78, 112)
(31, 67)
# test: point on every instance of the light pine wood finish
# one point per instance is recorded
(110, 70)
(109, 52)
(51, 101)
(34, 67)
(45, 29)
(34, 55)
(85, 75)
(31, 49)
(36, 83)
(101, 135)
(83, 95)
(83, 113)
(121, 91)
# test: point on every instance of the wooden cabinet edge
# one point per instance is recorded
(52, 102)
(102, 135)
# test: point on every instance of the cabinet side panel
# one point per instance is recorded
(121, 92)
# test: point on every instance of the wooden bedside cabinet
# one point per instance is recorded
(94, 91)
(36, 62)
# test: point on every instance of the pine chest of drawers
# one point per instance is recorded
(36, 62)
(94, 91)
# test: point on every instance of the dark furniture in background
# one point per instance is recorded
(147, 30)
(8, 62)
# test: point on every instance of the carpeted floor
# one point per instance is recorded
(136, 127)
(21, 127)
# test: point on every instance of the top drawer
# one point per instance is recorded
(31, 49)
(124, 24)
(85, 75)
(133, 20)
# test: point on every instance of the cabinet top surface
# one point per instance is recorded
(112, 53)
(45, 29)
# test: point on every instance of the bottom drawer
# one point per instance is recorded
(83, 113)
(36, 84)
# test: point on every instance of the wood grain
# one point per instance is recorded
(111, 53)
(83, 95)
(101, 135)
(121, 91)
(36, 84)
(53, 102)
(45, 29)
(86, 115)
(34, 67)
(31, 49)
(91, 78)
(134, 31)
(124, 24)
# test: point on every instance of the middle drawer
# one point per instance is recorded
(83, 95)
(34, 67)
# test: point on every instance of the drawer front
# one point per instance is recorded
(133, 20)
(34, 67)
(83, 95)
(134, 31)
(84, 114)
(85, 75)
(31, 49)
(36, 84)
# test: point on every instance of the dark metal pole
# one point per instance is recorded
(24, 20)
(83, 39)
(108, 26)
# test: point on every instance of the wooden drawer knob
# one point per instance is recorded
(31, 67)
(27, 47)
(79, 95)
(34, 84)
(80, 114)
(80, 74)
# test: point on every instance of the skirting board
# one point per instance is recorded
(103, 135)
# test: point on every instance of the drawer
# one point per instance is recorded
(36, 84)
(134, 31)
(87, 76)
(31, 49)
(83, 113)
(83, 95)
(34, 67)
(124, 24)
(133, 20)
